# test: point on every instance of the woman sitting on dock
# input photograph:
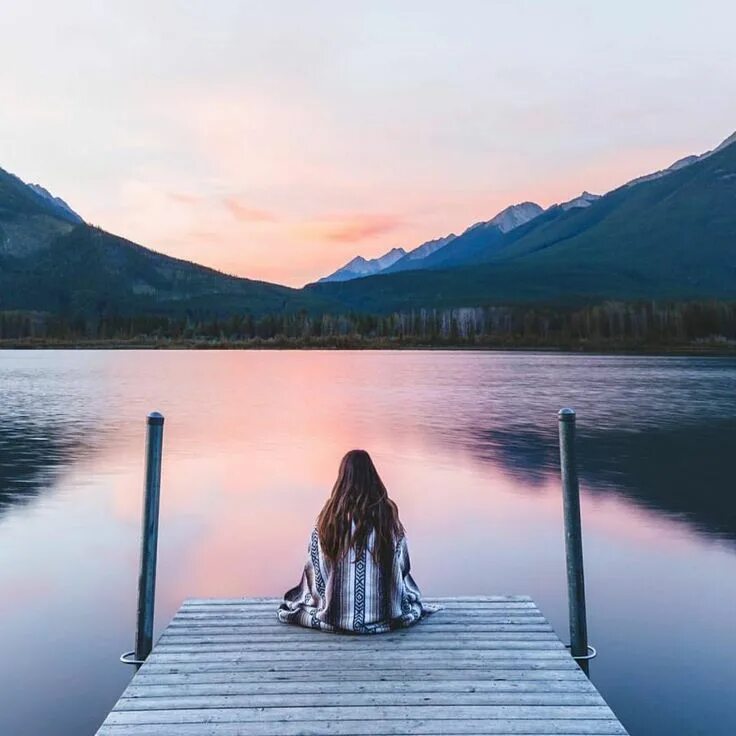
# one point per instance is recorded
(357, 577)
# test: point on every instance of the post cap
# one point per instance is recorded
(155, 418)
(566, 415)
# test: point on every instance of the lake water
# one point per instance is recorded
(466, 443)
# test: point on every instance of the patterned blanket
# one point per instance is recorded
(355, 594)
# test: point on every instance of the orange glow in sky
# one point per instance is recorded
(278, 141)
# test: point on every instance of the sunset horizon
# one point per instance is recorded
(363, 132)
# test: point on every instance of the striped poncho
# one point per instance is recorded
(354, 595)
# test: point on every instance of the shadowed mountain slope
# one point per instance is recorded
(671, 237)
(52, 262)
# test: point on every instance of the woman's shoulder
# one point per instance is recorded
(400, 543)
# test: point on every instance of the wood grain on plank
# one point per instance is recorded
(483, 665)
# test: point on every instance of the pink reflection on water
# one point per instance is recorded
(252, 445)
(465, 443)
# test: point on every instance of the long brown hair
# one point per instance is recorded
(358, 505)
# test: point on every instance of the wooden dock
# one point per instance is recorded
(482, 665)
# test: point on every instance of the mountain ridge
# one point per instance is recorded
(671, 236)
(359, 267)
(52, 261)
(481, 240)
(57, 202)
(668, 236)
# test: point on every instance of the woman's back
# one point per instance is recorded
(358, 593)
(358, 574)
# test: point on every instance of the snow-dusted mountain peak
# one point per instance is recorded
(511, 217)
(584, 200)
(58, 202)
(730, 140)
(431, 246)
(683, 162)
(360, 266)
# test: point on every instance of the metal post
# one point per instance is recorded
(573, 536)
(149, 537)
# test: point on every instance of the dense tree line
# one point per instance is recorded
(611, 323)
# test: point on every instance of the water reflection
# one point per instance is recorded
(683, 471)
(57, 410)
(467, 444)
(32, 455)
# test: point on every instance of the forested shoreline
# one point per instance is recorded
(642, 326)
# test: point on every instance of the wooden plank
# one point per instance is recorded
(483, 665)
(183, 687)
(338, 699)
(444, 605)
(179, 627)
(529, 727)
(457, 610)
(439, 601)
(307, 644)
(293, 632)
(374, 658)
(497, 609)
(331, 715)
(479, 607)
(469, 624)
(189, 644)
(268, 628)
(237, 644)
(368, 669)
(441, 617)
(417, 633)
(519, 673)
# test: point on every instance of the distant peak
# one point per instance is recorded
(359, 266)
(583, 200)
(57, 202)
(357, 261)
(723, 144)
(427, 248)
(685, 161)
(512, 216)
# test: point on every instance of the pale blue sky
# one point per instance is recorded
(278, 139)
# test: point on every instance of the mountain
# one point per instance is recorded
(51, 261)
(28, 220)
(360, 267)
(480, 238)
(58, 204)
(671, 236)
(414, 257)
(667, 236)
(511, 217)
(679, 164)
(436, 253)
(683, 162)
(584, 200)
(482, 241)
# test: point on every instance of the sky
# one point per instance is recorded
(277, 140)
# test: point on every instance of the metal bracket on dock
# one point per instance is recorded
(592, 653)
(126, 658)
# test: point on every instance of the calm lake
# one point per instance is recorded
(467, 445)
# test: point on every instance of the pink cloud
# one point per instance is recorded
(245, 213)
(351, 228)
(199, 234)
(183, 198)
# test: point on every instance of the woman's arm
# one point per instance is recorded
(412, 589)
